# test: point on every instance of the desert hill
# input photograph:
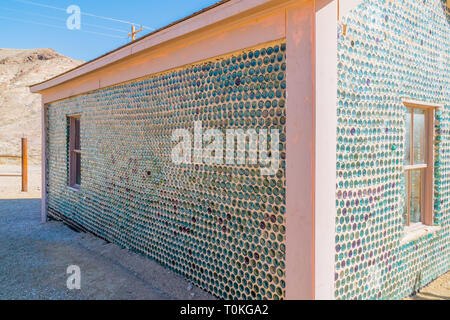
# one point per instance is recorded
(20, 110)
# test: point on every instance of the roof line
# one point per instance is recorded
(137, 40)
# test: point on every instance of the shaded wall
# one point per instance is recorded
(223, 227)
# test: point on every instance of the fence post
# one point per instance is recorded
(24, 165)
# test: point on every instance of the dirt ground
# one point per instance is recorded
(34, 258)
(439, 289)
(11, 182)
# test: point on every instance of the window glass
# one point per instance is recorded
(419, 139)
(77, 133)
(408, 137)
(78, 169)
(74, 174)
(418, 165)
(416, 196)
(406, 196)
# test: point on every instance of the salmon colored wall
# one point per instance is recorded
(300, 153)
(325, 153)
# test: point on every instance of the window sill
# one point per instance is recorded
(417, 231)
(73, 188)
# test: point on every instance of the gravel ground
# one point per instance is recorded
(439, 289)
(34, 258)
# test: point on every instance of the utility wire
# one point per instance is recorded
(62, 19)
(84, 13)
(59, 27)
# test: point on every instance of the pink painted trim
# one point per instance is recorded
(242, 35)
(44, 166)
(325, 146)
(196, 23)
(300, 153)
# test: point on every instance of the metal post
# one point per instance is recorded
(24, 165)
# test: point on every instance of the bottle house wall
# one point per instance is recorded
(389, 51)
(221, 226)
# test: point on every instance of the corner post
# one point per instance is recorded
(326, 13)
(300, 137)
(44, 164)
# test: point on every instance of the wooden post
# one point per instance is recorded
(134, 32)
(24, 165)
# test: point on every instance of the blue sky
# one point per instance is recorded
(27, 24)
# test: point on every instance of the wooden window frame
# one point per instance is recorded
(427, 169)
(72, 178)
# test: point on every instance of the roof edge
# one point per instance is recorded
(213, 14)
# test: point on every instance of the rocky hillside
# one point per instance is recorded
(20, 110)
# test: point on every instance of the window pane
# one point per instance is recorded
(408, 137)
(419, 136)
(78, 169)
(416, 196)
(405, 215)
(77, 133)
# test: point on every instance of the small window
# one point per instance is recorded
(418, 163)
(74, 151)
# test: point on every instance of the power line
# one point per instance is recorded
(33, 22)
(59, 27)
(83, 13)
(62, 19)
